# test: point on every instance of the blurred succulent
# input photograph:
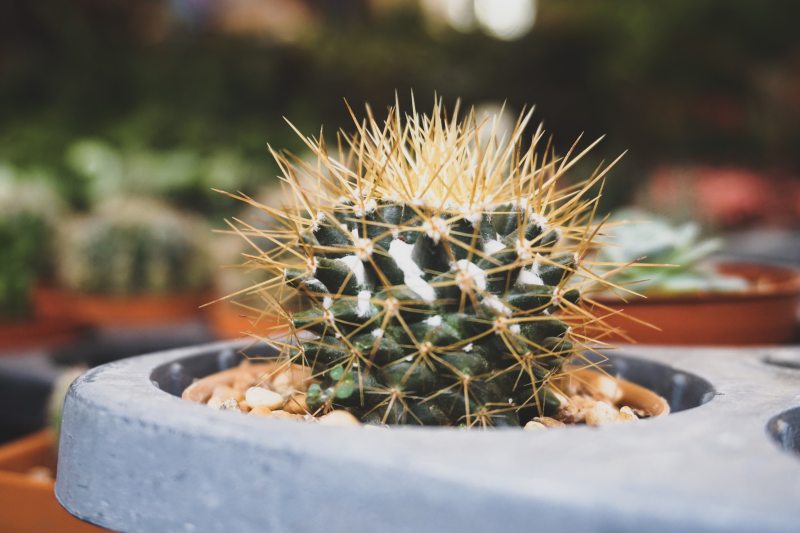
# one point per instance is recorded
(672, 255)
(176, 173)
(132, 247)
(28, 210)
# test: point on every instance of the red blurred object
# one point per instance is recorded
(38, 332)
(723, 196)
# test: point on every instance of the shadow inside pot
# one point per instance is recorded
(785, 430)
(682, 390)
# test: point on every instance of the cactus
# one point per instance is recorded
(27, 213)
(436, 267)
(134, 247)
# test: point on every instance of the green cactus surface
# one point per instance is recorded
(438, 271)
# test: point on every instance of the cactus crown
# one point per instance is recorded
(435, 266)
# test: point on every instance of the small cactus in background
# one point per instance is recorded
(134, 247)
(436, 263)
(27, 215)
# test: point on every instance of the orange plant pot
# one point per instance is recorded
(28, 504)
(767, 313)
(138, 310)
(50, 325)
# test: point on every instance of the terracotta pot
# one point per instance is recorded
(764, 314)
(28, 504)
(36, 332)
(229, 320)
(50, 325)
(137, 310)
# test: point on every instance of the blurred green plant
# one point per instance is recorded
(135, 246)
(684, 80)
(182, 176)
(29, 209)
(672, 256)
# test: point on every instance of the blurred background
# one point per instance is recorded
(118, 117)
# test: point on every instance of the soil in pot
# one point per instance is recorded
(278, 390)
(27, 498)
(764, 314)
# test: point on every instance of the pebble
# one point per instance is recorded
(548, 422)
(533, 425)
(626, 414)
(291, 379)
(285, 416)
(261, 411)
(608, 390)
(600, 414)
(230, 405)
(261, 397)
(296, 404)
(339, 418)
(224, 392)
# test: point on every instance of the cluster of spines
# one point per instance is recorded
(449, 308)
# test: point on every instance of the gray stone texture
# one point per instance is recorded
(134, 457)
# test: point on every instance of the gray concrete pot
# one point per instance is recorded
(135, 457)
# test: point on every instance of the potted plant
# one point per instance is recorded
(690, 299)
(134, 261)
(428, 300)
(28, 210)
(441, 281)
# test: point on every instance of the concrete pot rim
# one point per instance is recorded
(699, 453)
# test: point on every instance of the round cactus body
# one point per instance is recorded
(437, 269)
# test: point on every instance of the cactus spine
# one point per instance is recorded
(436, 267)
